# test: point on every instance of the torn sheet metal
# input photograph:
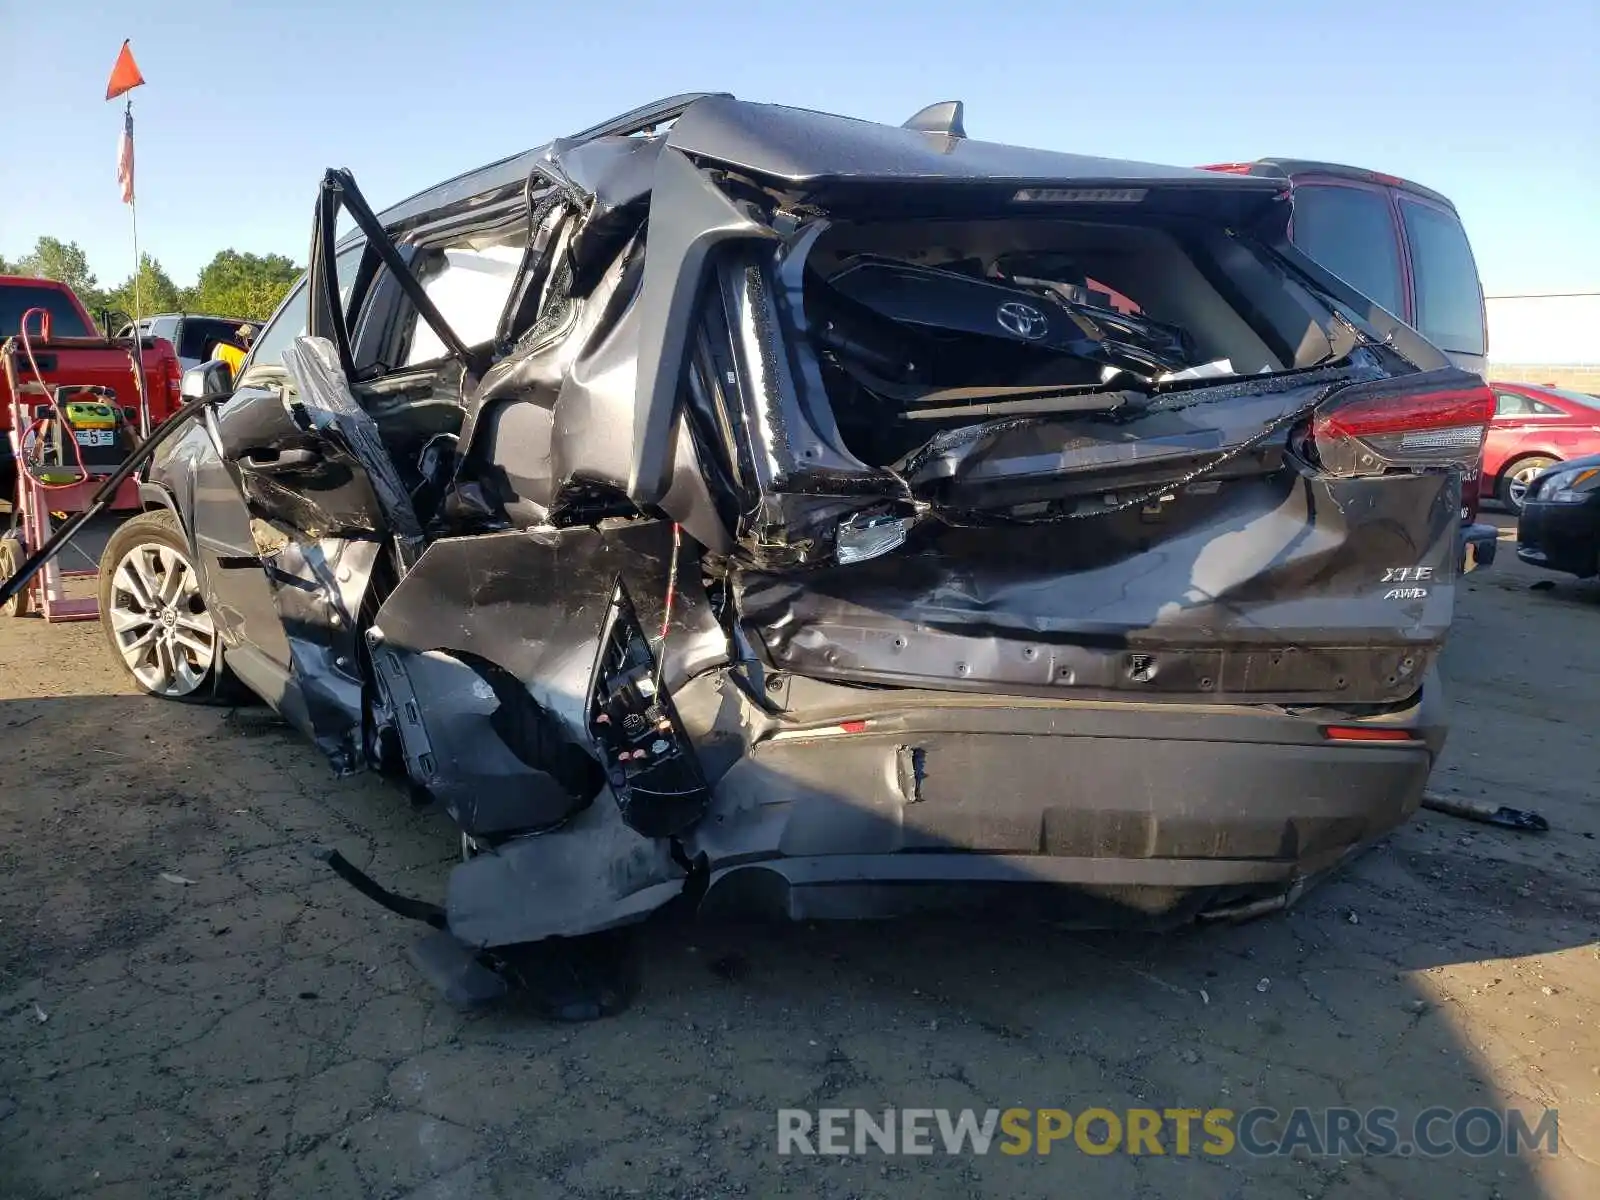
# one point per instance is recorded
(689, 217)
(491, 647)
(318, 588)
(1269, 589)
(322, 399)
(595, 874)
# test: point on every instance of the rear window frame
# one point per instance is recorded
(212, 330)
(1400, 199)
(1385, 195)
(60, 305)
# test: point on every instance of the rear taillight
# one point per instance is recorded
(1411, 423)
(174, 372)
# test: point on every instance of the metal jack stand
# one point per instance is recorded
(36, 500)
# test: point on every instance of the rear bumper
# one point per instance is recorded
(1143, 814)
(1478, 545)
(1560, 537)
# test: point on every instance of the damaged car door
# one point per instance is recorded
(251, 488)
(328, 510)
(500, 658)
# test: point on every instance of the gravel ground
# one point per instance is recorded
(190, 1005)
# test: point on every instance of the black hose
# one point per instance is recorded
(101, 501)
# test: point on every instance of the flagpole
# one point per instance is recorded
(138, 301)
(125, 77)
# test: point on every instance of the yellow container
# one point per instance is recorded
(83, 415)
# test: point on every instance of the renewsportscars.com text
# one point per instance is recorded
(1180, 1132)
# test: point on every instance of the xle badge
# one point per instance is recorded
(1412, 575)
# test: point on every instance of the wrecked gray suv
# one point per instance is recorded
(830, 518)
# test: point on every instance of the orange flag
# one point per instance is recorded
(125, 75)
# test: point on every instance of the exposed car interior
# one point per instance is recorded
(911, 321)
(907, 320)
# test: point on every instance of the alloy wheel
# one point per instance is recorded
(1521, 478)
(1518, 489)
(159, 621)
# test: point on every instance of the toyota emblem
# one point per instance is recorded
(1022, 320)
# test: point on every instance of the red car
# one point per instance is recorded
(1534, 428)
(1403, 246)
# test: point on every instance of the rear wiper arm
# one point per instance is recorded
(1039, 401)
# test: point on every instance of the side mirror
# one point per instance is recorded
(214, 378)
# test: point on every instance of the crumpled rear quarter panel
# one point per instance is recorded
(1278, 589)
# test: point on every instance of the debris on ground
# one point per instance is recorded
(1265, 985)
(1519, 819)
(167, 877)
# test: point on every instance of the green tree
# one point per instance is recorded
(156, 291)
(66, 262)
(242, 285)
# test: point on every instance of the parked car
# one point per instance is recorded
(1404, 246)
(1397, 242)
(193, 334)
(1559, 525)
(824, 516)
(1534, 428)
(69, 351)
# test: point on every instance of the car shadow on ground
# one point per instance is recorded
(216, 1005)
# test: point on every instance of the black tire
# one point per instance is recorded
(154, 617)
(1520, 472)
(12, 556)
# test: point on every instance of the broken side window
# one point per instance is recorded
(469, 284)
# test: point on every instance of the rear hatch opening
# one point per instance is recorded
(925, 327)
(1092, 450)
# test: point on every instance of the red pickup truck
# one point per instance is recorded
(68, 350)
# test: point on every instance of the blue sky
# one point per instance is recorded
(1495, 104)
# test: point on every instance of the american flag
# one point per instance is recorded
(125, 157)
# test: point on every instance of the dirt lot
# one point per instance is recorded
(190, 1005)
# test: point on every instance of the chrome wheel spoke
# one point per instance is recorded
(173, 570)
(188, 640)
(122, 620)
(184, 671)
(147, 565)
(137, 653)
(199, 624)
(130, 578)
